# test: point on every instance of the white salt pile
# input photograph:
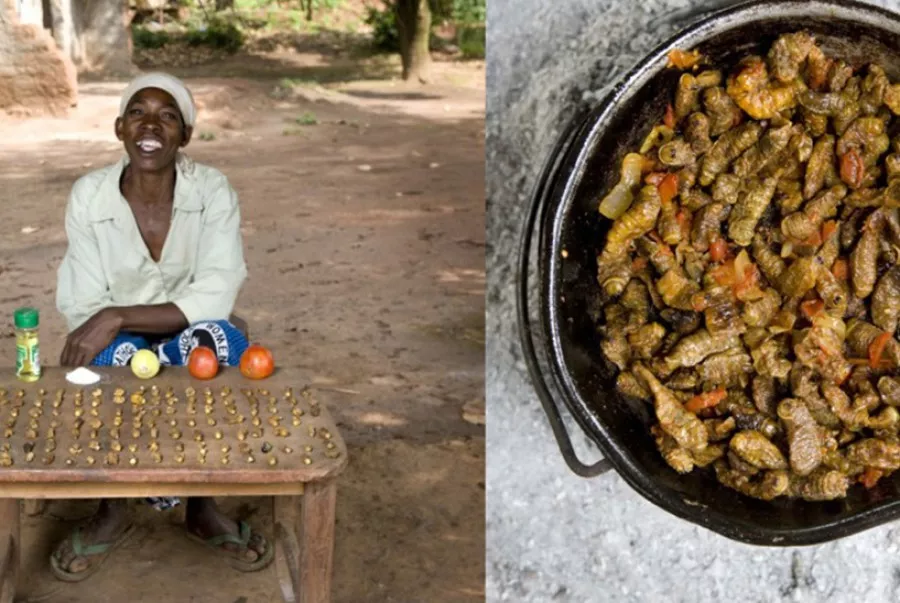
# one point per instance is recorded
(82, 376)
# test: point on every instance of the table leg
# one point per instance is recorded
(9, 548)
(304, 541)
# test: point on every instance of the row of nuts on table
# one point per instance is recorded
(153, 413)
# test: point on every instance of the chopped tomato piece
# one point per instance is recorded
(705, 400)
(668, 188)
(828, 229)
(747, 282)
(669, 117)
(852, 168)
(699, 302)
(717, 250)
(876, 349)
(840, 269)
(870, 477)
(724, 273)
(812, 307)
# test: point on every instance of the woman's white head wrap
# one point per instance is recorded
(170, 84)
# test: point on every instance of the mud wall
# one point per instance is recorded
(35, 77)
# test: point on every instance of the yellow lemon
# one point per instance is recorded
(145, 364)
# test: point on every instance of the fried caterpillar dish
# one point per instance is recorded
(749, 278)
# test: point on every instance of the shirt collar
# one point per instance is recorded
(111, 203)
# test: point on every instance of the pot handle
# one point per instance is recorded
(538, 207)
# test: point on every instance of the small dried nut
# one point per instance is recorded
(95, 434)
(49, 445)
(218, 434)
(211, 422)
(179, 458)
(153, 445)
(333, 454)
(94, 445)
(133, 461)
(175, 434)
(266, 447)
(90, 460)
(75, 449)
(198, 436)
(157, 457)
(308, 448)
(173, 422)
(330, 445)
(29, 456)
(296, 421)
(307, 460)
(179, 447)
(273, 461)
(135, 433)
(192, 423)
(154, 432)
(31, 434)
(224, 460)
(242, 435)
(116, 445)
(226, 448)
(287, 449)
(117, 421)
(250, 458)
(281, 432)
(112, 458)
(256, 433)
(256, 421)
(48, 459)
(132, 448)
(7, 433)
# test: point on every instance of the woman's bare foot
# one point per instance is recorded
(204, 520)
(105, 527)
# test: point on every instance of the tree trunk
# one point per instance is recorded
(414, 28)
(309, 10)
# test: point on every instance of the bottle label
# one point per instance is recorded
(28, 359)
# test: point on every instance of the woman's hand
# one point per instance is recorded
(88, 340)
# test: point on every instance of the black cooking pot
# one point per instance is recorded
(562, 347)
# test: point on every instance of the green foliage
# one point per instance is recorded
(469, 11)
(144, 38)
(307, 119)
(217, 33)
(468, 14)
(383, 22)
(471, 41)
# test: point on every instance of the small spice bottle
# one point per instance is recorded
(28, 357)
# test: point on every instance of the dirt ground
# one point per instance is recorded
(364, 237)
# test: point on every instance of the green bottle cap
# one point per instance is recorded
(26, 318)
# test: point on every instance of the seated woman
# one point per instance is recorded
(154, 260)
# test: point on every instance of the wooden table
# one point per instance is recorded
(129, 438)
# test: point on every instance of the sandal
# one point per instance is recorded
(243, 540)
(101, 550)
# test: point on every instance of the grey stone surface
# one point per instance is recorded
(553, 536)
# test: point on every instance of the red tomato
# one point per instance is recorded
(203, 363)
(257, 362)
